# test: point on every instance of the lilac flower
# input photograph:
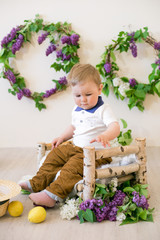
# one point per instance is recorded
(136, 197)
(49, 92)
(74, 39)
(66, 57)
(107, 67)
(59, 54)
(132, 82)
(112, 214)
(63, 80)
(9, 37)
(66, 39)
(143, 202)
(26, 92)
(157, 45)
(133, 48)
(132, 36)
(140, 201)
(20, 94)
(42, 37)
(133, 45)
(10, 76)
(17, 45)
(50, 49)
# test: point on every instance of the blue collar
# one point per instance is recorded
(92, 110)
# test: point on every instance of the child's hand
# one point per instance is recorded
(56, 142)
(101, 138)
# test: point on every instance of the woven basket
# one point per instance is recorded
(3, 207)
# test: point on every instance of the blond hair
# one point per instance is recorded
(83, 72)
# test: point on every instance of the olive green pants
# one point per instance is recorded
(69, 159)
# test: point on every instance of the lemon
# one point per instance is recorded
(37, 215)
(15, 208)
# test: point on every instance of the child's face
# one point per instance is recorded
(86, 94)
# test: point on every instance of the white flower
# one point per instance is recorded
(123, 88)
(113, 184)
(120, 216)
(117, 82)
(70, 209)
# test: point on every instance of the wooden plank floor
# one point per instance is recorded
(15, 163)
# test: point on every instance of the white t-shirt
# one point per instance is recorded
(90, 123)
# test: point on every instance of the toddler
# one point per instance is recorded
(93, 123)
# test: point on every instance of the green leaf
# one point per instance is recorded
(157, 86)
(137, 34)
(124, 207)
(149, 218)
(140, 105)
(80, 215)
(113, 56)
(12, 92)
(128, 221)
(2, 52)
(133, 207)
(89, 216)
(124, 79)
(143, 215)
(57, 66)
(105, 90)
(101, 185)
(128, 189)
(154, 66)
(144, 192)
(140, 94)
(124, 123)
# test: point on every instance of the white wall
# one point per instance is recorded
(98, 22)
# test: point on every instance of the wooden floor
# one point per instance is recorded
(15, 163)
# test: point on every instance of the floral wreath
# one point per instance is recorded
(63, 41)
(122, 86)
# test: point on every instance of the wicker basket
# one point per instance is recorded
(3, 207)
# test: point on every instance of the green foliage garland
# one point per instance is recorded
(129, 88)
(63, 41)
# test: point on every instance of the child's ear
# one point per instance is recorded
(100, 88)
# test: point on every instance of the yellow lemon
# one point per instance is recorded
(15, 208)
(37, 215)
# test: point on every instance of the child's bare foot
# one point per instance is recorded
(42, 199)
(25, 186)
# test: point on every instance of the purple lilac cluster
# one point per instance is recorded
(73, 39)
(132, 82)
(133, 45)
(50, 49)
(26, 92)
(42, 37)
(107, 67)
(63, 80)
(9, 37)
(10, 76)
(140, 201)
(48, 93)
(17, 45)
(104, 210)
(157, 45)
(22, 92)
(61, 55)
